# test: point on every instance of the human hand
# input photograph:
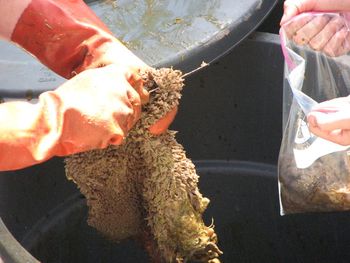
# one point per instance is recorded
(99, 106)
(293, 8)
(117, 54)
(90, 111)
(163, 124)
(321, 32)
(69, 38)
(330, 120)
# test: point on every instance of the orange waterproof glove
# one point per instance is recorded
(68, 37)
(83, 114)
(92, 110)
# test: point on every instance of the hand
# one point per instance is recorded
(69, 38)
(92, 110)
(117, 54)
(293, 8)
(330, 120)
(322, 32)
(105, 104)
(163, 124)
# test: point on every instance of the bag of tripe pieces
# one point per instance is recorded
(314, 173)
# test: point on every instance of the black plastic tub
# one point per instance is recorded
(230, 114)
(244, 205)
(62, 236)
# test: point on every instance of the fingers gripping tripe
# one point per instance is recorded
(80, 115)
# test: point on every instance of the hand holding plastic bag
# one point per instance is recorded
(292, 8)
(314, 173)
(325, 33)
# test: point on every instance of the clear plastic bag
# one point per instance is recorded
(314, 174)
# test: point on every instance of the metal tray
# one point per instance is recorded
(178, 33)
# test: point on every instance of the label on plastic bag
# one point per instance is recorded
(308, 147)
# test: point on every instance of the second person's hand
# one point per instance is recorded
(293, 8)
(330, 120)
(321, 32)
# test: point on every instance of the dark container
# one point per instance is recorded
(244, 205)
(230, 123)
(230, 111)
(39, 206)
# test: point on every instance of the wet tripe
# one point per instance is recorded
(147, 187)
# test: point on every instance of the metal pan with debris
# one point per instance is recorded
(183, 32)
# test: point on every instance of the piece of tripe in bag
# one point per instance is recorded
(313, 173)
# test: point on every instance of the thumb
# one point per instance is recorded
(329, 121)
(162, 125)
(295, 7)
